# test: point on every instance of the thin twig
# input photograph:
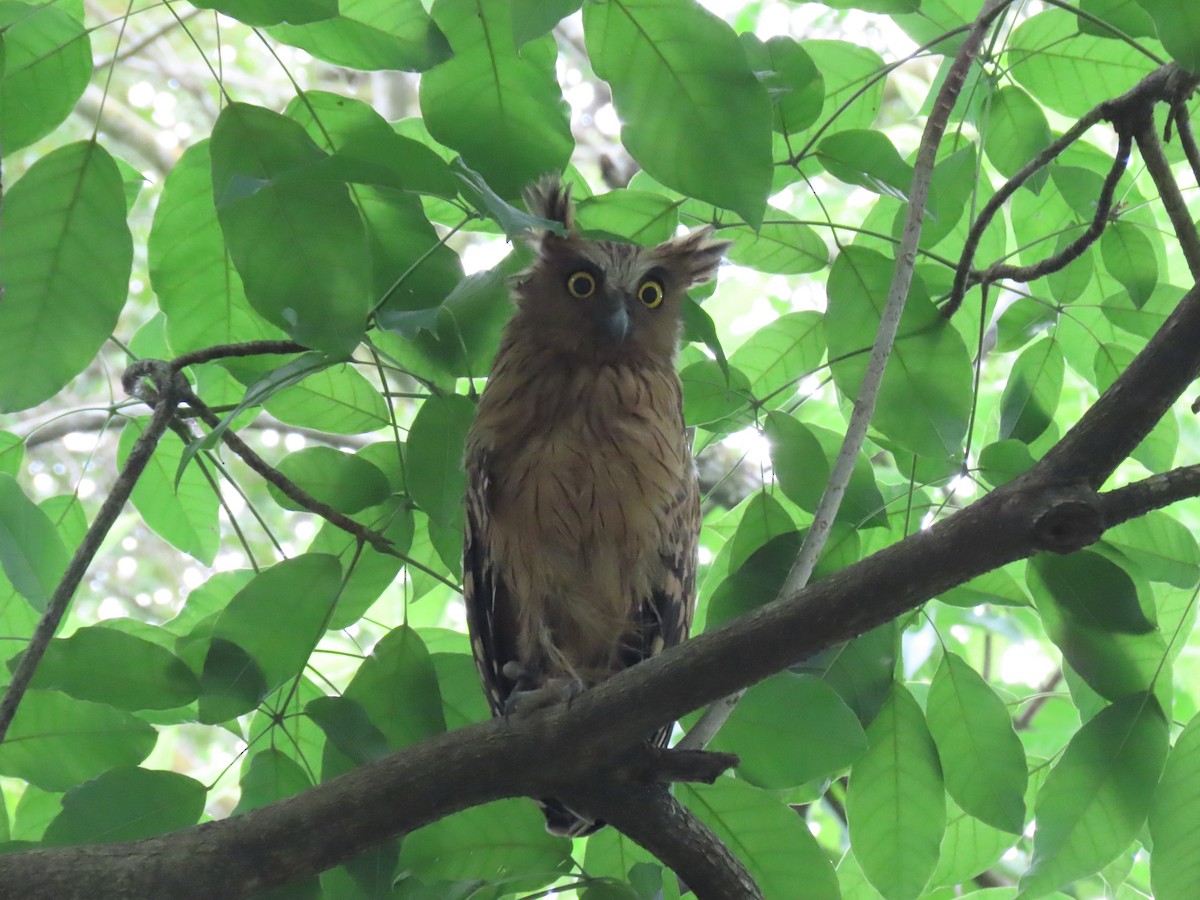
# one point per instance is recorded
(835, 489)
(170, 386)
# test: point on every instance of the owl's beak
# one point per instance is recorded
(616, 323)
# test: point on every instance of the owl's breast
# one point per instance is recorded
(608, 458)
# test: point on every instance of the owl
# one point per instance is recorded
(582, 503)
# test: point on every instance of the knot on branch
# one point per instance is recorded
(1068, 523)
(154, 381)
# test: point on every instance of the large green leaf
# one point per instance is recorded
(779, 354)
(500, 108)
(766, 835)
(982, 758)
(1161, 545)
(46, 61)
(1129, 257)
(1031, 395)
(1016, 132)
(127, 803)
(396, 688)
(1177, 23)
(1092, 590)
(336, 399)
(273, 12)
(185, 512)
(1096, 798)
(266, 633)
(695, 117)
(149, 676)
(296, 238)
(772, 731)
(31, 551)
(495, 841)
(57, 742)
(371, 34)
(925, 398)
(434, 456)
(1175, 862)
(269, 776)
(196, 284)
(896, 803)
(66, 252)
(782, 245)
(1068, 71)
(347, 483)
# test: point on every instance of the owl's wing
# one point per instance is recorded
(489, 606)
(666, 614)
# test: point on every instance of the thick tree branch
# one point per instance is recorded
(648, 814)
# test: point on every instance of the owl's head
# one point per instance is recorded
(607, 298)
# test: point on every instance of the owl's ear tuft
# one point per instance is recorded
(695, 256)
(551, 199)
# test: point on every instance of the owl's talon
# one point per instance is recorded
(552, 692)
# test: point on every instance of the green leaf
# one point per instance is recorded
(397, 688)
(1175, 861)
(148, 676)
(348, 728)
(504, 839)
(853, 90)
(1068, 71)
(1001, 462)
(489, 96)
(196, 285)
(1129, 257)
(57, 742)
(463, 701)
(861, 671)
(982, 757)
(31, 552)
(347, 483)
(297, 241)
(1016, 132)
(336, 399)
(271, 775)
(779, 354)
(1096, 799)
(1092, 591)
(771, 730)
(365, 149)
(638, 216)
(275, 621)
(714, 396)
(127, 803)
(184, 513)
(997, 586)
(66, 253)
(695, 117)
(766, 835)
(1031, 395)
(12, 452)
(925, 398)
(45, 64)
(1161, 545)
(868, 159)
(1178, 26)
(436, 478)
(782, 245)
(371, 34)
(896, 803)
(794, 84)
(273, 12)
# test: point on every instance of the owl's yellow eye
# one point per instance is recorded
(651, 293)
(581, 284)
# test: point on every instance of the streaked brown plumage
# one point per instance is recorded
(582, 506)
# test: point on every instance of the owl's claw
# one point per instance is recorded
(551, 692)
